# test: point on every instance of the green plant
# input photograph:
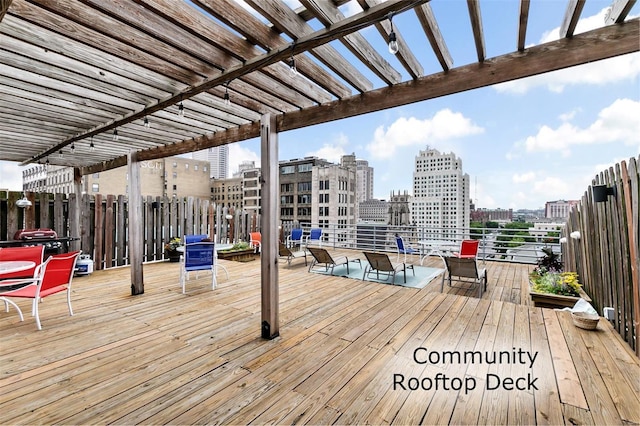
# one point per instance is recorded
(550, 262)
(238, 247)
(562, 283)
(173, 244)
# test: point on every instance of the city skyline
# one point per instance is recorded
(522, 143)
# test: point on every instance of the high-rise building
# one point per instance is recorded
(218, 158)
(364, 176)
(440, 193)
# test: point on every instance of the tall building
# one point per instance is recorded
(441, 193)
(252, 190)
(364, 176)
(334, 188)
(296, 193)
(218, 158)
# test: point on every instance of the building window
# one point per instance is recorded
(175, 187)
(195, 167)
(175, 164)
(286, 170)
(95, 187)
(175, 175)
(304, 167)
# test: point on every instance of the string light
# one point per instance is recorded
(181, 109)
(146, 123)
(227, 101)
(91, 145)
(393, 42)
(73, 147)
(60, 154)
(115, 135)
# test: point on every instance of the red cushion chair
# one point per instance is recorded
(53, 276)
(468, 249)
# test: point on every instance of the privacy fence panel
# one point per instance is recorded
(103, 222)
(603, 236)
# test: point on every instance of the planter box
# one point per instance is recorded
(547, 300)
(237, 255)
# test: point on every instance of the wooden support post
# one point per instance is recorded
(136, 239)
(74, 213)
(270, 210)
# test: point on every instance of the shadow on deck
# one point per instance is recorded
(350, 351)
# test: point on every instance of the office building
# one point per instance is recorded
(440, 193)
(373, 210)
(218, 158)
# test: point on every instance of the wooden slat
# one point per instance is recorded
(616, 13)
(328, 15)
(571, 17)
(523, 20)
(476, 27)
(430, 26)
(404, 55)
(166, 357)
(285, 19)
(567, 376)
(232, 14)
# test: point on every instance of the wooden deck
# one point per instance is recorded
(164, 357)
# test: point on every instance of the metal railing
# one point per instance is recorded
(498, 244)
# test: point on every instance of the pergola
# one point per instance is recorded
(170, 77)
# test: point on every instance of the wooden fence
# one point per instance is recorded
(605, 253)
(102, 226)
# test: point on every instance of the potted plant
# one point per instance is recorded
(241, 252)
(551, 287)
(171, 249)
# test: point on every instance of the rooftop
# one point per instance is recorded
(165, 357)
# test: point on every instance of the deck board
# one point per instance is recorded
(164, 357)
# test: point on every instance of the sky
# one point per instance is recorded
(523, 143)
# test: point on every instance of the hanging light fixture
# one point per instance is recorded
(73, 147)
(23, 202)
(227, 101)
(47, 162)
(115, 135)
(181, 109)
(91, 145)
(60, 155)
(293, 70)
(393, 41)
(146, 122)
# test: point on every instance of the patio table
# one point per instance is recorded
(437, 247)
(10, 266)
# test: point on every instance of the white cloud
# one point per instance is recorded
(568, 116)
(524, 177)
(619, 68)
(11, 175)
(445, 125)
(238, 154)
(616, 123)
(332, 151)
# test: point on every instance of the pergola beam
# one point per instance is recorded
(302, 44)
(595, 45)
